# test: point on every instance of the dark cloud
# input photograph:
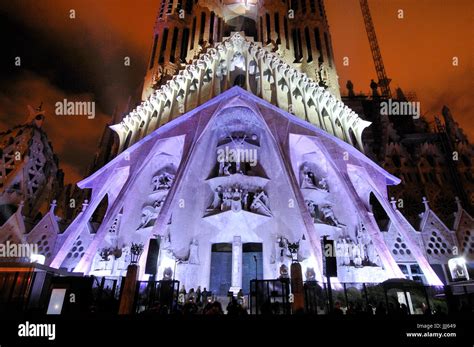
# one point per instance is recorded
(74, 137)
(80, 59)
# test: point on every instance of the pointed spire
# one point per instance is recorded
(425, 202)
(393, 202)
(53, 206)
(36, 116)
(458, 203)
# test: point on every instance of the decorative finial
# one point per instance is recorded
(293, 248)
(36, 115)
(85, 204)
(53, 206)
(425, 202)
(458, 203)
(393, 202)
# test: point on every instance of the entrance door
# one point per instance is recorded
(252, 264)
(221, 268)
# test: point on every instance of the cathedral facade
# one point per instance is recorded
(227, 187)
(241, 146)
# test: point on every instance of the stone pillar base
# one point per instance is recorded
(297, 288)
(129, 288)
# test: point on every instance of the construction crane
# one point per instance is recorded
(374, 47)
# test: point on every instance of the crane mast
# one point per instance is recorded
(374, 47)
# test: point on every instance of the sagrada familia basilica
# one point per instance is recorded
(240, 145)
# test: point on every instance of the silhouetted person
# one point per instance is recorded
(198, 295)
(404, 310)
(204, 295)
(235, 309)
(370, 310)
(350, 309)
(215, 309)
(266, 308)
(350, 88)
(207, 308)
(380, 310)
(337, 311)
(391, 309)
(190, 307)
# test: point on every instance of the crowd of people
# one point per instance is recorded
(196, 302)
(203, 302)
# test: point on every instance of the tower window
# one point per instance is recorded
(297, 44)
(162, 9)
(184, 45)
(285, 28)
(193, 35)
(219, 24)
(318, 45)
(173, 45)
(308, 45)
(211, 28)
(303, 6)
(277, 27)
(300, 47)
(164, 41)
(312, 5)
(202, 28)
(261, 30)
(321, 8)
(294, 5)
(328, 49)
(189, 6)
(267, 19)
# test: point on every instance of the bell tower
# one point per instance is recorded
(297, 30)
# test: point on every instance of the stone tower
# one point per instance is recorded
(28, 168)
(297, 30)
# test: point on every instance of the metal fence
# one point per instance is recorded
(15, 290)
(270, 297)
(106, 294)
(273, 297)
(29, 291)
(156, 296)
(372, 298)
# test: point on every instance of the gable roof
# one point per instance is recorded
(461, 215)
(179, 127)
(427, 215)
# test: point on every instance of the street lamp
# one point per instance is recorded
(458, 269)
(135, 252)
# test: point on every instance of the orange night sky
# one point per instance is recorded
(82, 58)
